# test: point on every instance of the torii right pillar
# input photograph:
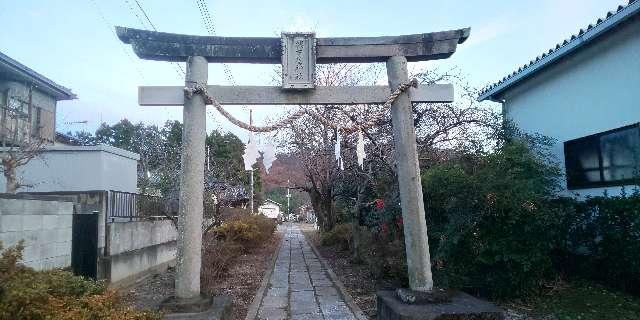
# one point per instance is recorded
(413, 215)
(422, 301)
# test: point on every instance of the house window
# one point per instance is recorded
(610, 158)
(14, 119)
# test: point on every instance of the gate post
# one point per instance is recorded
(189, 246)
(413, 215)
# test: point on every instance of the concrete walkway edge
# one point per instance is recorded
(343, 291)
(252, 312)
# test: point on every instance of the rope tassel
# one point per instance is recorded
(360, 150)
(337, 150)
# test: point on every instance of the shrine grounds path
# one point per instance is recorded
(299, 286)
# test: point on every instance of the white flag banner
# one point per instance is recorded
(268, 156)
(360, 150)
(250, 154)
(337, 147)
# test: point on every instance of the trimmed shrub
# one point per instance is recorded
(248, 231)
(239, 234)
(603, 240)
(339, 236)
(384, 255)
(56, 294)
(217, 258)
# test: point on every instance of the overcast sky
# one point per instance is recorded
(72, 42)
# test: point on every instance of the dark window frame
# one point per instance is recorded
(595, 138)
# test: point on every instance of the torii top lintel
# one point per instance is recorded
(163, 46)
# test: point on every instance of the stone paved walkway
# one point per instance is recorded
(299, 287)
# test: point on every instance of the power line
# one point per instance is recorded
(208, 24)
(146, 16)
(110, 27)
(211, 30)
(206, 18)
(176, 65)
(134, 12)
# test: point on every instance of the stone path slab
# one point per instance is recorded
(299, 287)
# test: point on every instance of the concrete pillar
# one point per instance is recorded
(189, 258)
(404, 138)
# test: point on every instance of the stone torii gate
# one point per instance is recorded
(298, 53)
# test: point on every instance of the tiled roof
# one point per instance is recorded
(276, 203)
(568, 46)
(17, 71)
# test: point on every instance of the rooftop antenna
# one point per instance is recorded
(76, 122)
(288, 197)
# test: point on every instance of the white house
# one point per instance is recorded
(585, 93)
(28, 105)
(270, 208)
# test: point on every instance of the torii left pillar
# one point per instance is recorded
(189, 253)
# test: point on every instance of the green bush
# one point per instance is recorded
(56, 294)
(339, 236)
(384, 255)
(491, 224)
(496, 226)
(603, 240)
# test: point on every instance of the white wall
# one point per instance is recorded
(270, 210)
(79, 168)
(45, 227)
(594, 90)
(138, 247)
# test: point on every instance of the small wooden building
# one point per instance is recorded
(27, 103)
(271, 209)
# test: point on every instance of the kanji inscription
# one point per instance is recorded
(298, 60)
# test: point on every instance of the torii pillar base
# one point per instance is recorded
(203, 307)
(460, 306)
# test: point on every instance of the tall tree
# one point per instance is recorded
(160, 151)
(83, 138)
(440, 129)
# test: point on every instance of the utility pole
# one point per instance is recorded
(288, 200)
(251, 172)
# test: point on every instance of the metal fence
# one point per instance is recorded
(127, 206)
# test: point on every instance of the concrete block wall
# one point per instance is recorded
(135, 248)
(44, 223)
(87, 202)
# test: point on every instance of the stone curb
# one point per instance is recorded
(357, 312)
(252, 312)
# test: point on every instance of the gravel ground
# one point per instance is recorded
(241, 281)
(147, 293)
